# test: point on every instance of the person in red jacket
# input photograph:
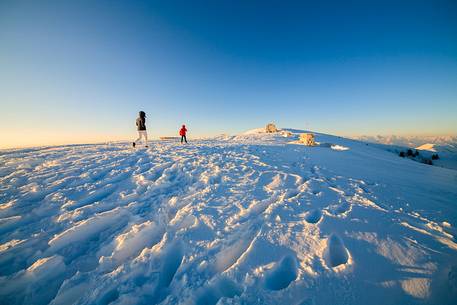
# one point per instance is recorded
(182, 133)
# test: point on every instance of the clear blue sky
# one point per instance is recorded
(79, 71)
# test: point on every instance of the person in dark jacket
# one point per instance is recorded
(141, 127)
(182, 133)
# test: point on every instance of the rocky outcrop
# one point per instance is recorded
(270, 128)
(307, 139)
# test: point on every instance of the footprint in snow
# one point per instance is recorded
(340, 210)
(212, 293)
(336, 253)
(282, 274)
(172, 259)
(313, 216)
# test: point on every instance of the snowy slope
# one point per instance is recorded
(447, 154)
(248, 219)
(444, 146)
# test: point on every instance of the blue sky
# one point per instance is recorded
(79, 71)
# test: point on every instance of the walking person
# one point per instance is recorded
(141, 127)
(182, 133)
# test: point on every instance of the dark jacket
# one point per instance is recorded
(141, 123)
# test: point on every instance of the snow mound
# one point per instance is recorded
(260, 130)
(86, 228)
(339, 147)
(427, 146)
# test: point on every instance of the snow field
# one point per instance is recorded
(251, 219)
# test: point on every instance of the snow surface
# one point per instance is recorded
(248, 219)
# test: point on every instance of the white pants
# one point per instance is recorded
(142, 134)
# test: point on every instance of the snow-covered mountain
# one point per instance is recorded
(250, 219)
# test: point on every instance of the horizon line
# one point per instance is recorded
(154, 139)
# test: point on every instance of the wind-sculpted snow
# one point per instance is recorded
(251, 219)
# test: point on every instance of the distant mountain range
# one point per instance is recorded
(442, 143)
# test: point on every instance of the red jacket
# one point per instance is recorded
(183, 131)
